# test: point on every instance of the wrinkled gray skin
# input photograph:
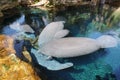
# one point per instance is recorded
(50, 64)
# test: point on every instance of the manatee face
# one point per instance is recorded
(70, 47)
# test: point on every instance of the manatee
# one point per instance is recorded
(52, 43)
(76, 46)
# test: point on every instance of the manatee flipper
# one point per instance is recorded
(61, 34)
(50, 64)
(47, 57)
(60, 66)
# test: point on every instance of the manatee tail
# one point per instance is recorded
(107, 41)
(53, 30)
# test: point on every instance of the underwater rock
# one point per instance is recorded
(12, 68)
(20, 51)
(6, 45)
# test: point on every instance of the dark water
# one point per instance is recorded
(103, 64)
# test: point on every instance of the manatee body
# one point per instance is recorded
(51, 42)
(70, 47)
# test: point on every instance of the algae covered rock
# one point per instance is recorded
(6, 46)
(11, 67)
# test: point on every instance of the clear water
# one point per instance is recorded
(103, 63)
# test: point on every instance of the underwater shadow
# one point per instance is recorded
(85, 59)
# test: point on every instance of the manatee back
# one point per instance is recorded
(70, 47)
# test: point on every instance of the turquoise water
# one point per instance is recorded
(103, 64)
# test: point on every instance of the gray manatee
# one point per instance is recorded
(52, 43)
(73, 47)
